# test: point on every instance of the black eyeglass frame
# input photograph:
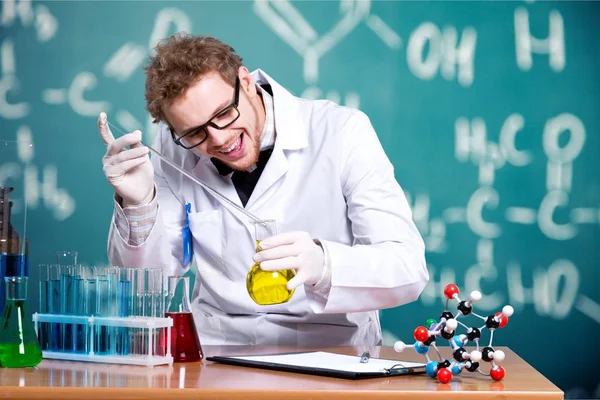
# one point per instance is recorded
(234, 105)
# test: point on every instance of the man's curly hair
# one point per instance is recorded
(179, 62)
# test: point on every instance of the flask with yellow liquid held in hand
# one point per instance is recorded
(268, 287)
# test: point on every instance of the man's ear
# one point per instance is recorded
(246, 81)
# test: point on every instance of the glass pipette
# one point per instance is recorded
(193, 178)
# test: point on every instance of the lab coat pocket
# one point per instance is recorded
(207, 233)
(209, 328)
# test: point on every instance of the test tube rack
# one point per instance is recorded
(148, 326)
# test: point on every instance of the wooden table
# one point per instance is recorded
(78, 380)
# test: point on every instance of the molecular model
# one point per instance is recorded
(446, 328)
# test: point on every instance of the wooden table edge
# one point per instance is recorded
(68, 393)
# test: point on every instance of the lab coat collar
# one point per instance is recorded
(289, 127)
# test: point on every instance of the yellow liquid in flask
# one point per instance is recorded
(268, 287)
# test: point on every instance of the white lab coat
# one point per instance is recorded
(328, 175)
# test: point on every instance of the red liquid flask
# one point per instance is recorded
(185, 344)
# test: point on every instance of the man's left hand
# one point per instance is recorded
(292, 250)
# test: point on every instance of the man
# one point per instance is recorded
(315, 167)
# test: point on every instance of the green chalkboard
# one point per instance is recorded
(488, 111)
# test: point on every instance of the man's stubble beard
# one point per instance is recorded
(244, 167)
(255, 143)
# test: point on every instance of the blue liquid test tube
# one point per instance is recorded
(124, 291)
(133, 309)
(54, 308)
(69, 297)
(89, 303)
(140, 300)
(123, 309)
(101, 345)
(43, 330)
(77, 330)
(65, 296)
(157, 308)
(112, 308)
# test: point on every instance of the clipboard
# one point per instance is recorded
(324, 364)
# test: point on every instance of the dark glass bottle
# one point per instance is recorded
(13, 255)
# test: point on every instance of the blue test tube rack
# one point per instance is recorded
(147, 325)
(103, 314)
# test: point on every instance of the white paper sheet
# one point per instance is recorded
(338, 362)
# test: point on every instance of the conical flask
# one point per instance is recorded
(18, 342)
(185, 344)
(268, 287)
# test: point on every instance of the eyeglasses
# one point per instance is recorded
(220, 120)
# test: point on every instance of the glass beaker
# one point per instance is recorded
(268, 287)
(185, 344)
(18, 342)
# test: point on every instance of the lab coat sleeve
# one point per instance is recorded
(385, 266)
(135, 223)
(163, 246)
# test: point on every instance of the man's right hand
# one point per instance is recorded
(129, 171)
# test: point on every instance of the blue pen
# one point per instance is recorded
(186, 236)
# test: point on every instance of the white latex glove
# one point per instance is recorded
(292, 250)
(129, 171)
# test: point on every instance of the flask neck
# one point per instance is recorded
(178, 300)
(16, 287)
